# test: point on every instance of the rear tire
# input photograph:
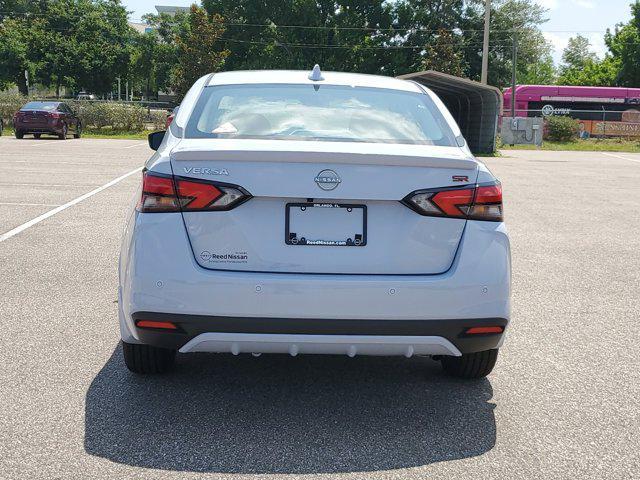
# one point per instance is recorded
(470, 366)
(19, 134)
(146, 359)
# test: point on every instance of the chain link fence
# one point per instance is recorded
(593, 123)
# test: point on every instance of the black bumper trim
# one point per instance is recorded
(190, 326)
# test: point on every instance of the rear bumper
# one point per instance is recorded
(159, 276)
(312, 335)
(35, 129)
(48, 127)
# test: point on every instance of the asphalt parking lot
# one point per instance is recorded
(563, 402)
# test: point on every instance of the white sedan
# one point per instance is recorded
(314, 213)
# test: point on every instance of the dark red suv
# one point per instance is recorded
(54, 118)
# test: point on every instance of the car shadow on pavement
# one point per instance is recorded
(278, 414)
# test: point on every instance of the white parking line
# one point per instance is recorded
(621, 157)
(137, 145)
(73, 202)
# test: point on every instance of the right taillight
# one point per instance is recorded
(487, 204)
(478, 202)
(165, 193)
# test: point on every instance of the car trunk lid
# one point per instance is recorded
(35, 117)
(323, 192)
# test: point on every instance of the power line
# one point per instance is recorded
(278, 43)
(325, 27)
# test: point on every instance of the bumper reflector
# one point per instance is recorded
(155, 324)
(483, 330)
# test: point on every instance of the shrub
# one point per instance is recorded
(561, 129)
(10, 103)
(94, 115)
(118, 116)
(158, 119)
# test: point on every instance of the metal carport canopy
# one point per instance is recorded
(475, 106)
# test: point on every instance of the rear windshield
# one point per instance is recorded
(318, 112)
(49, 106)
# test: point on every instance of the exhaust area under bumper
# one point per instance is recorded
(350, 345)
(204, 333)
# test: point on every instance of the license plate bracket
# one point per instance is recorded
(326, 224)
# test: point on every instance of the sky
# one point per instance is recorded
(566, 18)
(591, 18)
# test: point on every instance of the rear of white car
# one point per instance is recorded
(283, 213)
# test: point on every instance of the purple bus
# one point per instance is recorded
(602, 110)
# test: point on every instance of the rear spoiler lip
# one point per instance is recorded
(277, 151)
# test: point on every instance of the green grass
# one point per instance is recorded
(494, 154)
(590, 145)
(117, 135)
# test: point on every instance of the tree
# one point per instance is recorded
(144, 54)
(594, 73)
(542, 72)
(14, 53)
(577, 53)
(510, 19)
(624, 45)
(198, 49)
(68, 43)
(421, 23)
(346, 35)
(581, 66)
(465, 22)
(445, 54)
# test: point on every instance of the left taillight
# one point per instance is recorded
(165, 193)
(477, 202)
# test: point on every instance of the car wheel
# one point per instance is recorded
(63, 135)
(144, 359)
(19, 134)
(36, 135)
(471, 365)
(78, 133)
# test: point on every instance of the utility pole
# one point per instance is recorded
(118, 88)
(514, 61)
(485, 43)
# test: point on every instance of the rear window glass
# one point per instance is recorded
(318, 112)
(49, 106)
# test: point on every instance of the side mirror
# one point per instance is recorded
(155, 139)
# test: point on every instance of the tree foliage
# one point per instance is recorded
(87, 44)
(382, 37)
(577, 53)
(444, 55)
(339, 35)
(75, 43)
(15, 38)
(197, 49)
(624, 45)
